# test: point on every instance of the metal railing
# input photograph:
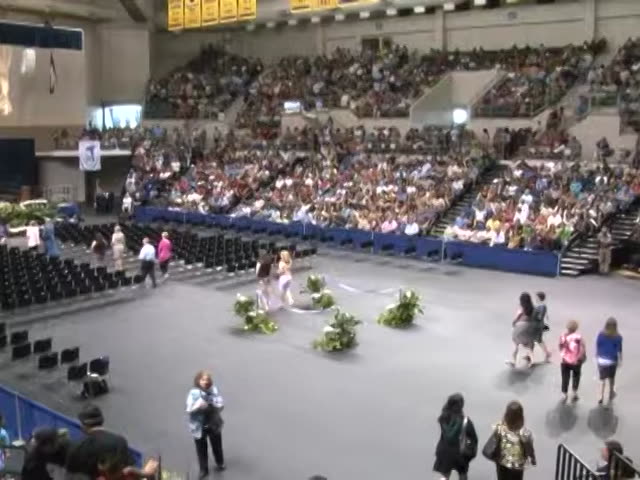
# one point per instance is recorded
(621, 468)
(570, 467)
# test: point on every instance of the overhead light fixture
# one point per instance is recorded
(340, 17)
(479, 3)
(460, 116)
(449, 7)
(419, 9)
(364, 14)
(292, 22)
(271, 24)
(315, 19)
(392, 12)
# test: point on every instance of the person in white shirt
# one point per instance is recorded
(127, 202)
(411, 228)
(147, 259)
(33, 236)
(526, 197)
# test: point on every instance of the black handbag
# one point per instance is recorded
(491, 449)
(468, 448)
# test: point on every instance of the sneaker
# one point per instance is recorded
(511, 363)
(221, 468)
(203, 474)
(564, 397)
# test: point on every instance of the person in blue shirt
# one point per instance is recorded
(608, 357)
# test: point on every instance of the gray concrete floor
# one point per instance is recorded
(292, 412)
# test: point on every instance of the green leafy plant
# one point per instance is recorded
(323, 299)
(339, 334)
(316, 283)
(403, 313)
(255, 320)
(18, 215)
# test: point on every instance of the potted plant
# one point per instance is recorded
(403, 313)
(321, 297)
(339, 334)
(255, 320)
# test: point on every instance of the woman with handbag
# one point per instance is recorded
(573, 353)
(458, 442)
(204, 404)
(510, 445)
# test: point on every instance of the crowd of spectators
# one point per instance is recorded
(203, 88)
(537, 77)
(376, 181)
(542, 207)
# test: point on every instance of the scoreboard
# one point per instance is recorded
(204, 13)
(296, 6)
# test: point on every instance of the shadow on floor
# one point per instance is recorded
(603, 422)
(561, 419)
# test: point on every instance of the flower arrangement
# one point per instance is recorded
(403, 313)
(321, 297)
(339, 334)
(18, 215)
(255, 319)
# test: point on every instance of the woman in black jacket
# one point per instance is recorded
(458, 442)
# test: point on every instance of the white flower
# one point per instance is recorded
(328, 329)
(241, 298)
(389, 307)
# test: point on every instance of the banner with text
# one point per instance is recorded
(175, 14)
(228, 11)
(210, 12)
(247, 9)
(324, 4)
(192, 13)
(89, 153)
(300, 5)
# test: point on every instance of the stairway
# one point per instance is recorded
(583, 256)
(465, 201)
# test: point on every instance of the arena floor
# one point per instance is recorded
(292, 412)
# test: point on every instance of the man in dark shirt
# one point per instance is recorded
(101, 451)
(263, 273)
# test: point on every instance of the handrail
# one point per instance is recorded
(621, 467)
(570, 467)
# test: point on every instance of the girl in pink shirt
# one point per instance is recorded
(164, 254)
(573, 354)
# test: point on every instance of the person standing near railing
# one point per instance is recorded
(616, 466)
(605, 245)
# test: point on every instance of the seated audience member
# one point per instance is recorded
(102, 452)
(46, 452)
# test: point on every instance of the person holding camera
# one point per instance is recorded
(204, 404)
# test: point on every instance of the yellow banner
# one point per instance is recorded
(324, 4)
(300, 5)
(192, 13)
(209, 12)
(247, 9)
(228, 11)
(175, 14)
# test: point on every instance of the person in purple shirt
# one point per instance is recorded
(608, 357)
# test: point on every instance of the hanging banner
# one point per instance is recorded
(192, 13)
(228, 11)
(89, 153)
(209, 12)
(175, 14)
(324, 4)
(349, 3)
(247, 9)
(300, 5)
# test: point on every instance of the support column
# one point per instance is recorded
(590, 17)
(439, 30)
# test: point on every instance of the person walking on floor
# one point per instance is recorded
(524, 331)
(263, 274)
(284, 279)
(573, 353)
(608, 357)
(204, 404)
(165, 252)
(51, 248)
(605, 245)
(458, 443)
(118, 245)
(99, 249)
(540, 317)
(513, 444)
(147, 259)
(33, 236)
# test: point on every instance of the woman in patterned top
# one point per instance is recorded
(516, 444)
